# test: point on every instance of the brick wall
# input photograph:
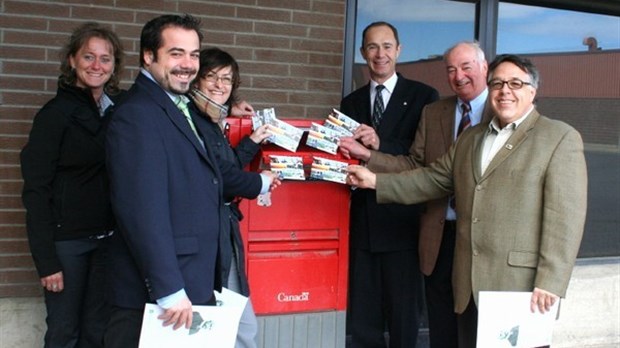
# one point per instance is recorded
(290, 55)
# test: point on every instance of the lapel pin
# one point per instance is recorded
(509, 146)
(404, 103)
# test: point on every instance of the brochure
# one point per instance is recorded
(329, 170)
(287, 167)
(323, 138)
(282, 133)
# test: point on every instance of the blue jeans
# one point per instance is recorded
(76, 316)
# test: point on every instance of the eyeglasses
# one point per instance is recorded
(512, 84)
(213, 78)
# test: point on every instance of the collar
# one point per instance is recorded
(477, 106)
(389, 84)
(173, 96)
(494, 124)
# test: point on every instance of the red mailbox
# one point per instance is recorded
(296, 247)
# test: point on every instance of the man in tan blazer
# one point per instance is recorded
(439, 126)
(520, 185)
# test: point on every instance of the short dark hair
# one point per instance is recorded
(523, 63)
(214, 58)
(79, 37)
(378, 24)
(150, 38)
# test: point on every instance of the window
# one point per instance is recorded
(578, 55)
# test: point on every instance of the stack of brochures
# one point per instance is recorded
(325, 137)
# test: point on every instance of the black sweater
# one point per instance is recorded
(66, 193)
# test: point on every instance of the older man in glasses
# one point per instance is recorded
(520, 186)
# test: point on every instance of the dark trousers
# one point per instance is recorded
(439, 297)
(123, 329)
(76, 316)
(384, 290)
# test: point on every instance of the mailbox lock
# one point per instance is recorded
(294, 235)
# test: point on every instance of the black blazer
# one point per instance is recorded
(66, 193)
(167, 193)
(387, 227)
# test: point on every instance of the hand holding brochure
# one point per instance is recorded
(505, 320)
(282, 133)
(287, 167)
(212, 326)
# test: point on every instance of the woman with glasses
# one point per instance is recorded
(215, 94)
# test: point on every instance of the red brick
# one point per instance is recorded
(30, 289)
(32, 69)
(327, 73)
(283, 56)
(289, 4)
(10, 157)
(269, 69)
(281, 29)
(16, 246)
(8, 187)
(256, 41)
(227, 25)
(23, 98)
(34, 38)
(263, 14)
(206, 10)
(21, 113)
(335, 34)
(315, 98)
(14, 128)
(44, 9)
(322, 85)
(16, 261)
(22, 82)
(12, 142)
(319, 19)
(333, 60)
(330, 7)
(13, 231)
(11, 202)
(18, 276)
(314, 45)
(87, 13)
(286, 83)
(19, 22)
(10, 172)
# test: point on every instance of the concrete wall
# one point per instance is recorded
(590, 315)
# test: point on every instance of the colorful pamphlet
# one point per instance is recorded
(282, 133)
(287, 167)
(329, 170)
(323, 138)
(341, 123)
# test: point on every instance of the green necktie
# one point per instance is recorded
(181, 103)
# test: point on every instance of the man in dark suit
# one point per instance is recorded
(441, 123)
(166, 188)
(385, 281)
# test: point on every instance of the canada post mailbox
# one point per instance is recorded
(297, 246)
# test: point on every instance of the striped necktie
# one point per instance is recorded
(378, 107)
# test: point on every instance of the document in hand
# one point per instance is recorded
(505, 320)
(212, 326)
(282, 133)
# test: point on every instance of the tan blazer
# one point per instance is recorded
(520, 223)
(433, 138)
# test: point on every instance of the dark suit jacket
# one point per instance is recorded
(433, 138)
(167, 195)
(387, 227)
(520, 223)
